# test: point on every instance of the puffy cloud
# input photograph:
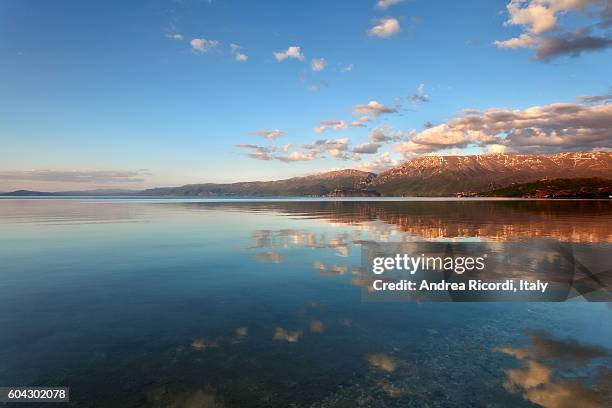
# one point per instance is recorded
(318, 86)
(419, 96)
(449, 136)
(291, 52)
(596, 98)
(549, 128)
(497, 148)
(329, 144)
(537, 16)
(373, 108)
(347, 68)
(385, 27)
(385, 133)
(269, 134)
(331, 124)
(378, 164)
(411, 148)
(336, 148)
(572, 44)
(240, 57)
(366, 148)
(238, 54)
(523, 41)
(542, 33)
(318, 64)
(94, 176)
(258, 152)
(385, 4)
(202, 45)
(297, 156)
(361, 122)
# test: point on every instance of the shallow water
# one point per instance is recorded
(257, 304)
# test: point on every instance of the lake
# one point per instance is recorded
(238, 303)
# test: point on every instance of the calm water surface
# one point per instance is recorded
(258, 304)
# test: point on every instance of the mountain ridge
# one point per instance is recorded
(422, 176)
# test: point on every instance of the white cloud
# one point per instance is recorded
(523, 41)
(258, 152)
(202, 45)
(374, 108)
(291, 52)
(238, 54)
(419, 96)
(497, 148)
(596, 98)
(347, 68)
(331, 124)
(366, 148)
(385, 27)
(542, 32)
(297, 156)
(269, 134)
(177, 37)
(384, 134)
(318, 86)
(378, 164)
(538, 129)
(361, 122)
(318, 64)
(385, 4)
(336, 148)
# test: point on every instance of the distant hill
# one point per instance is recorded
(423, 176)
(99, 192)
(315, 185)
(557, 188)
(27, 193)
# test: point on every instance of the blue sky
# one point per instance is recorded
(118, 94)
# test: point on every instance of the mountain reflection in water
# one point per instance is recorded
(258, 304)
(568, 220)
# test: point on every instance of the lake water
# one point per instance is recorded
(170, 303)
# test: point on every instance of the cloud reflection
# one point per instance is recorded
(203, 344)
(288, 336)
(382, 362)
(317, 326)
(273, 257)
(330, 270)
(557, 373)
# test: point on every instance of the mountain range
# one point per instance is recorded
(423, 176)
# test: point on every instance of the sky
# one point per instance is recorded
(128, 95)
